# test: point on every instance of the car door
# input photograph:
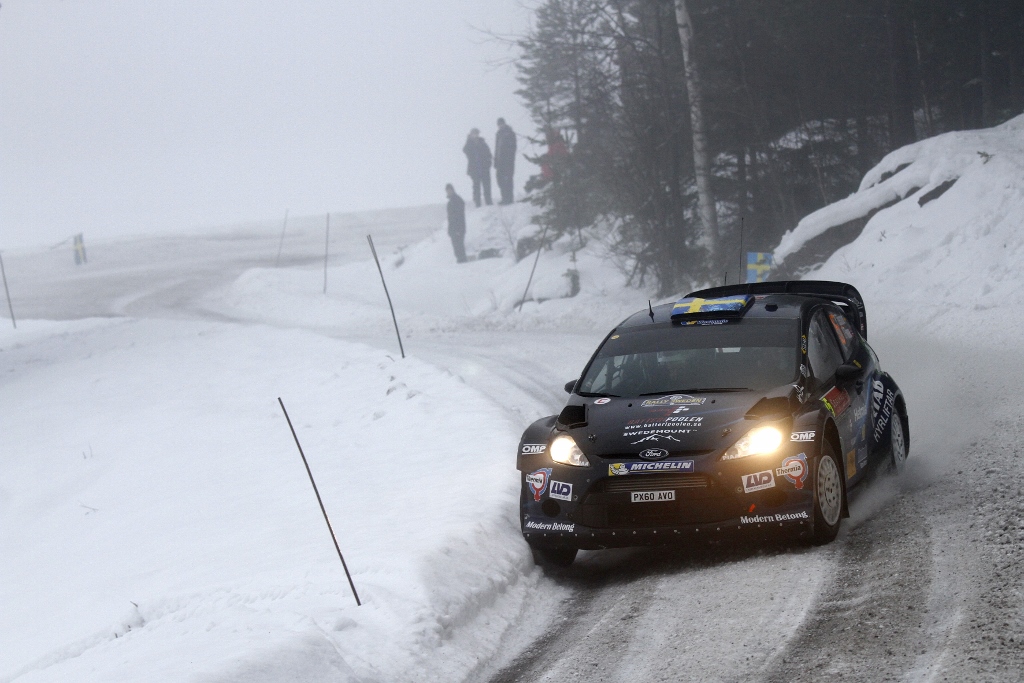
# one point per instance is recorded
(858, 386)
(825, 355)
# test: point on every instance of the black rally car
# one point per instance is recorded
(739, 408)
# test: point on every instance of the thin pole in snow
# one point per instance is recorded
(532, 270)
(7, 292)
(320, 500)
(381, 271)
(280, 245)
(327, 241)
(743, 263)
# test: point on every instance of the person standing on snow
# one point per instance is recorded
(456, 222)
(478, 154)
(505, 160)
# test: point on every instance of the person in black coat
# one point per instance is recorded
(456, 223)
(505, 160)
(478, 155)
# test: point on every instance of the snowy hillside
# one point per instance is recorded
(943, 246)
(571, 288)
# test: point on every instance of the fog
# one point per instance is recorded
(123, 117)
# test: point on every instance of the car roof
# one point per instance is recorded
(786, 306)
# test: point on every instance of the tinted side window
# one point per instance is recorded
(822, 349)
(844, 333)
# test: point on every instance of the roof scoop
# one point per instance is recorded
(697, 308)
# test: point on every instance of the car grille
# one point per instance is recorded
(652, 482)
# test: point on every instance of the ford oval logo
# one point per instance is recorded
(654, 454)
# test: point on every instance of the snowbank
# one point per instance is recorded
(572, 288)
(158, 523)
(944, 258)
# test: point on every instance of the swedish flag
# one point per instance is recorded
(759, 266)
(722, 305)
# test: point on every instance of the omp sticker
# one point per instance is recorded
(674, 400)
(781, 517)
(836, 400)
(802, 436)
(533, 448)
(758, 481)
(620, 468)
(602, 401)
(851, 464)
(538, 482)
(560, 490)
(794, 469)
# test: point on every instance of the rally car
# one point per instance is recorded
(739, 409)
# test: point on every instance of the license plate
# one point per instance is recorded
(652, 496)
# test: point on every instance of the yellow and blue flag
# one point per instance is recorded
(759, 266)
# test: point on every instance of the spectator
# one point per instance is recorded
(456, 222)
(478, 155)
(505, 160)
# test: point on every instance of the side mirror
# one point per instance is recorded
(570, 385)
(847, 372)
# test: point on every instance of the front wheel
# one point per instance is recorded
(828, 496)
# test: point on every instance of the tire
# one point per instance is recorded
(897, 444)
(553, 556)
(828, 496)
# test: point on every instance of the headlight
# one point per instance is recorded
(565, 451)
(757, 441)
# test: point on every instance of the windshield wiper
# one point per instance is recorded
(590, 394)
(702, 390)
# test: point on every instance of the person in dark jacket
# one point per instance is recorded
(456, 222)
(478, 155)
(505, 160)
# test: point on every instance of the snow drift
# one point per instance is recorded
(942, 246)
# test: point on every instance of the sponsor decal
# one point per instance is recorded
(859, 413)
(602, 401)
(533, 448)
(538, 482)
(836, 400)
(802, 436)
(781, 517)
(758, 481)
(654, 454)
(550, 526)
(804, 371)
(885, 415)
(689, 420)
(877, 394)
(803, 344)
(560, 490)
(653, 437)
(851, 464)
(707, 322)
(620, 468)
(674, 400)
(794, 469)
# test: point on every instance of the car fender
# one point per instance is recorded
(533, 445)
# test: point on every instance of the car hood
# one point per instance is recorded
(676, 423)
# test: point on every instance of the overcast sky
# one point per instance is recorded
(131, 116)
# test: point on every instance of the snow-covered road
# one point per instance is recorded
(925, 582)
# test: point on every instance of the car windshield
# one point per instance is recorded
(754, 354)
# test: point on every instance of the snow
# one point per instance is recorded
(156, 522)
(949, 268)
(154, 503)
